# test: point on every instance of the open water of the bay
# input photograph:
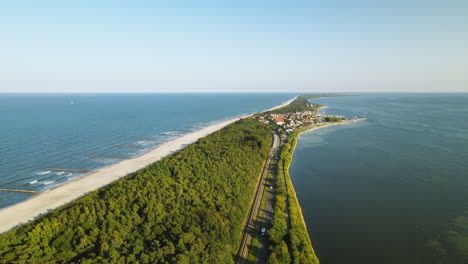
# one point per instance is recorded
(391, 189)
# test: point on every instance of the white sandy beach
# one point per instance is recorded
(53, 198)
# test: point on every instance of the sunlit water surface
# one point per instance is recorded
(391, 189)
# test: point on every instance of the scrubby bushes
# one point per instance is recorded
(332, 119)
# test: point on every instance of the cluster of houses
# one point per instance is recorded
(291, 121)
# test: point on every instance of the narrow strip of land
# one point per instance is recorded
(258, 244)
(250, 228)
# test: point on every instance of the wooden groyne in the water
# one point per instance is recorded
(21, 191)
(107, 157)
(52, 169)
(134, 147)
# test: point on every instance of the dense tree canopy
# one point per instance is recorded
(186, 208)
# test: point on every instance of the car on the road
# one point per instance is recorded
(263, 231)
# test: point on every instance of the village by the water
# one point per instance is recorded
(290, 121)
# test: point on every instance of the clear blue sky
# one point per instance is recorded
(270, 46)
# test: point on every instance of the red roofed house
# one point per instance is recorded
(279, 121)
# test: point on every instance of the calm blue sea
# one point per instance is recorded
(391, 189)
(39, 131)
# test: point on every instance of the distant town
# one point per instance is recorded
(291, 121)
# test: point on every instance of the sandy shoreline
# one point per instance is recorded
(26, 211)
(331, 124)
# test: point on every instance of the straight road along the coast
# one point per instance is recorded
(268, 213)
(250, 228)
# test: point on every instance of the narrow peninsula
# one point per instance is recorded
(225, 198)
(287, 238)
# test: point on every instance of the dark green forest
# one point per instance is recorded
(187, 208)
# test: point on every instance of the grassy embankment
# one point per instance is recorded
(187, 208)
(290, 241)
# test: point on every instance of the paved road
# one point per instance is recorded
(262, 253)
(251, 227)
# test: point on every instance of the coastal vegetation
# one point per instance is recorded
(332, 119)
(300, 104)
(187, 208)
(301, 244)
(278, 233)
(290, 241)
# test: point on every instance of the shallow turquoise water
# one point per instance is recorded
(391, 189)
(39, 131)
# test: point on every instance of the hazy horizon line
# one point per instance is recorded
(226, 92)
